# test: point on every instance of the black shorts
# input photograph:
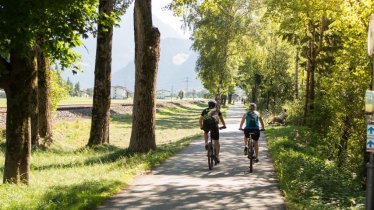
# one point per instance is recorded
(214, 132)
(256, 135)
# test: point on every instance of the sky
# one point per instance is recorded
(167, 16)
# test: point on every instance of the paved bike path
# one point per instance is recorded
(185, 182)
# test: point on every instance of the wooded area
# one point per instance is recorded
(308, 56)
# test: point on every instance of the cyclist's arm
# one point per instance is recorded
(242, 122)
(222, 121)
(201, 121)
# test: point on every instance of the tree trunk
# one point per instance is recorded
(147, 54)
(35, 113)
(224, 100)
(101, 101)
(307, 82)
(297, 73)
(230, 99)
(313, 64)
(44, 98)
(343, 145)
(18, 134)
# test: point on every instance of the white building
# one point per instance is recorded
(118, 92)
(162, 94)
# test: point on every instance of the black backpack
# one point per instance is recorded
(210, 118)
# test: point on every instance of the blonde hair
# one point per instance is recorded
(252, 106)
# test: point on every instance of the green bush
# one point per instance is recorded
(307, 178)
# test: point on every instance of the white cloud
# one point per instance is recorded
(180, 58)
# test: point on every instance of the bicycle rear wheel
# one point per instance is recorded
(210, 156)
(250, 156)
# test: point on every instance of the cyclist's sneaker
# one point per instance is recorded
(245, 150)
(206, 146)
(256, 160)
(217, 160)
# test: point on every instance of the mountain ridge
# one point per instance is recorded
(177, 60)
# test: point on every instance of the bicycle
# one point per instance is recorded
(251, 150)
(212, 152)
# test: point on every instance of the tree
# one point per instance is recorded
(181, 94)
(77, 89)
(70, 87)
(59, 89)
(331, 39)
(109, 12)
(99, 133)
(219, 32)
(308, 21)
(147, 54)
(23, 21)
(44, 97)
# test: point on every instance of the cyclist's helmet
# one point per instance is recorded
(212, 103)
(252, 106)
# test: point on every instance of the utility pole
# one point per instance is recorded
(370, 164)
(187, 86)
(171, 93)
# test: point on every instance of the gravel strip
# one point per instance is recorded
(85, 113)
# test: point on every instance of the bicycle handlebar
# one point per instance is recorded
(262, 129)
(223, 127)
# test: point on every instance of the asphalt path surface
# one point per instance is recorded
(185, 182)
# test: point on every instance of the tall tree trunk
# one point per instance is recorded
(297, 73)
(224, 100)
(101, 102)
(147, 54)
(18, 136)
(35, 113)
(343, 145)
(313, 64)
(315, 47)
(307, 82)
(44, 98)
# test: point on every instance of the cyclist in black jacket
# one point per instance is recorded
(209, 119)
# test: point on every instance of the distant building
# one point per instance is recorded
(84, 94)
(163, 94)
(119, 92)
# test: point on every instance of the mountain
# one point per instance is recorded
(177, 61)
(176, 68)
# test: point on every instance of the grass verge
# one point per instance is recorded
(307, 179)
(70, 176)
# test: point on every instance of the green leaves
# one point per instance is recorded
(60, 22)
